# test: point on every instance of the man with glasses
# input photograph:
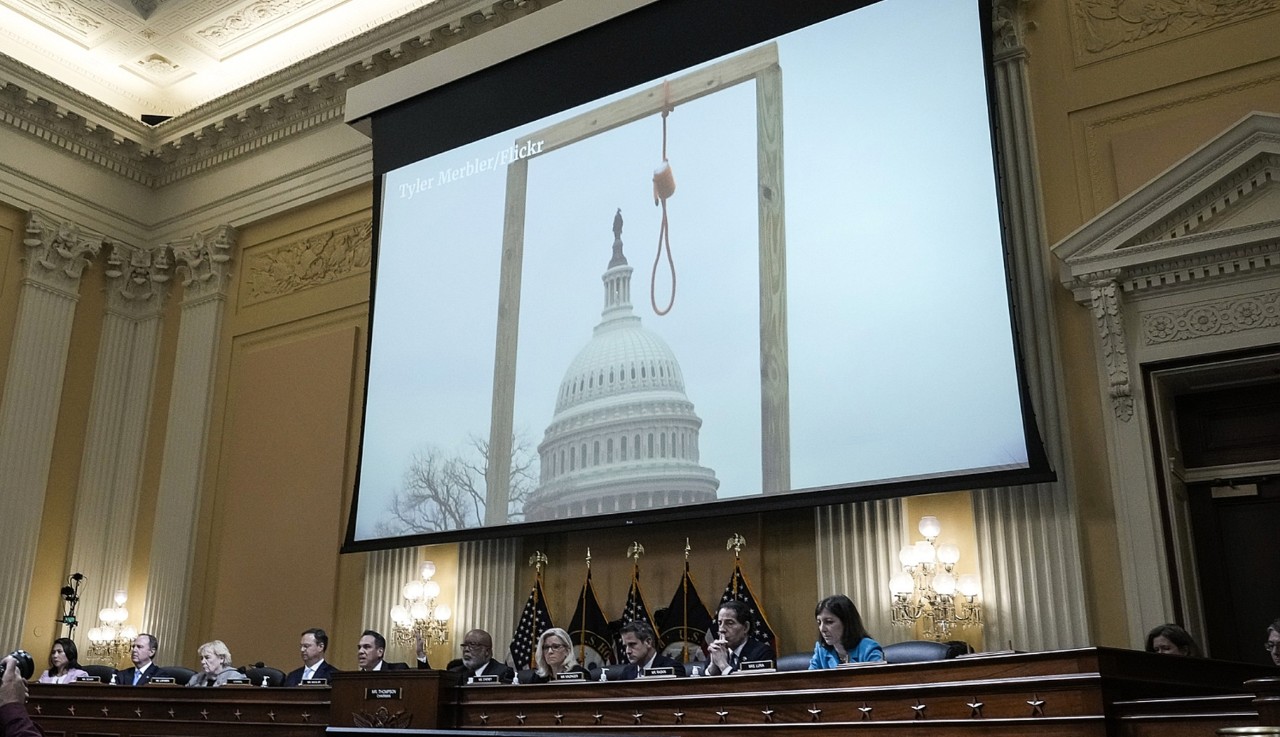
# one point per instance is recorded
(1273, 641)
(734, 645)
(477, 658)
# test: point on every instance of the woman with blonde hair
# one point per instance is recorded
(555, 656)
(215, 666)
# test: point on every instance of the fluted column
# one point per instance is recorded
(1028, 541)
(857, 551)
(486, 574)
(56, 255)
(204, 261)
(110, 474)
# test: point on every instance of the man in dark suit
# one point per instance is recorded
(142, 652)
(641, 646)
(312, 646)
(735, 644)
(478, 660)
(369, 652)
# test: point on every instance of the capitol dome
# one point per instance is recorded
(624, 436)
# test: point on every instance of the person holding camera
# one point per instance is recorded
(14, 720)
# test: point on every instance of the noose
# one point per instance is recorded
(664, 185)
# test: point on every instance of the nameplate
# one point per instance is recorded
(314, 682)
(665, 671)
(238, 682)
(482, 680)
(382, 693)
(573, 676)
(861, 664)
(88, 679)
(756, 666)
(162, 681)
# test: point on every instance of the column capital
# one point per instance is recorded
(138, 277)
(1009, 27)
(204, 261)
(57, 252)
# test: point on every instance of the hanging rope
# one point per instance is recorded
(664, 185)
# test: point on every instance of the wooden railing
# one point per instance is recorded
(1092, 691)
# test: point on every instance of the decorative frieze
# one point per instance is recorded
(1108, 28)
(1218, 317)
(1104, 299)
(309, 262)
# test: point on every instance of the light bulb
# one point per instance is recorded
(412, 590)
(431, 589)
(443, 612)
(901, 583)
(419, 611)
(930, 526)
(907, 556)
(95, 634)
(121, 614)
(129, 633)
(106, 615)
(948, 554)
(970, 585)
(924, 551)
(428, 570)
(121, 597)
(944, 583)
(399, 614)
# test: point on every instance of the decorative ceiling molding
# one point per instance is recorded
(305, 96)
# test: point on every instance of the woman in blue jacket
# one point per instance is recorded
(841, 636)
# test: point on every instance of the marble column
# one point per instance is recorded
(56, 255)
(115, 439)
(1028, 541)
(204, 262)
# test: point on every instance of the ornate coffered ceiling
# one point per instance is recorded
(166, 57)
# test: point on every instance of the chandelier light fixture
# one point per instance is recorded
(420, 616)
(927, 588)
(109, 642)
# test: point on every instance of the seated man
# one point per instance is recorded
(735, 644)
(1273, 641)
(142, 652)
(642, 652)
(312, 647)
(477, 659)
(369, 652)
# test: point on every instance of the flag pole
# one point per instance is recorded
(582, 633)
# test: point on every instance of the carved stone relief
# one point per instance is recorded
(1109, 28)
(1218, 317)
(204, 260)
(1105, 303)
(57, 253)
(309, 262)
(138, 277)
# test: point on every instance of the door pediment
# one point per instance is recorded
(1213, 215)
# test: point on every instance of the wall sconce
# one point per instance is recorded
(109, 642)
(928, 589)
(420, 616)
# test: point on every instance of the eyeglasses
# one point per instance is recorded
(554, 646)
(473, 645)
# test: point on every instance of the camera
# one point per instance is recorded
(26, 666)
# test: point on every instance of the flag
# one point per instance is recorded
(534, 620)
(589, 628)
(739, 589)
(684, 623)
(634, 610)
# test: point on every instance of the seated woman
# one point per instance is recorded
(64, 665)
(215, 666)
(841, 636)
(1170, 639)
(555, 656)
